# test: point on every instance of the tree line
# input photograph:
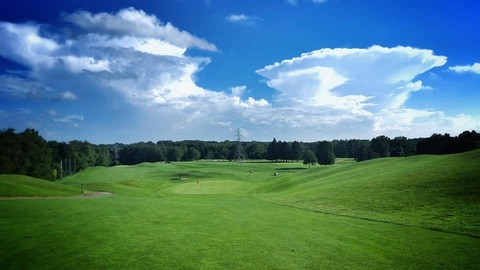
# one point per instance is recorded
(28, 153)
(382, 146)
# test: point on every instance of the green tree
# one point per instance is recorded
(25, 153)
(309, 158)
(297, 150)
(11, 151)
(284, 151)
(103, 156)
(256, 150)
(341, 148)
(324, 153)
(191, 154)
(362, 151)
(37, 156)
(175, 153)
(401, 147)
(467, 141)
(272, 150)
(84, 155)
(381, 146)
(437, 144)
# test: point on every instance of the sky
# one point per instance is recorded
(308, 70)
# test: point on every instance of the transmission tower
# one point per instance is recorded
(239, 152)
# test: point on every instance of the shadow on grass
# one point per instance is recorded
(291, 169)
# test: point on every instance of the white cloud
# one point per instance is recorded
(52, 112)
(140, 60)
(79, 64)
(69, 95)
(140, 44)
(17, 87)
(23, 44)
(141, 64)
(131, 56)
(133, 22)
(69, 118)
(292, 2)
(357, 90)
(295, 2)
(347, 78)
(238, 91)
(475, 68)
(242, 18)
(422, 123)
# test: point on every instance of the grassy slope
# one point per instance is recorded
(440, 192)
(20, 185)
(226, 222)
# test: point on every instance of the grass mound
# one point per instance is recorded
(20, 185)
(437, 192)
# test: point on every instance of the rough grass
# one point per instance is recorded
(20, 185)
(371, 215)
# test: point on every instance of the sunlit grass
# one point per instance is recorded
(242, 216)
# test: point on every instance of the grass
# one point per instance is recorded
(20, 185)
(371, 215)
(437, 192)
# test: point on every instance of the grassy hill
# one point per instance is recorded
(377, 214)
(20, 185)
(438, 192)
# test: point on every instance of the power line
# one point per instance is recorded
(239, 151)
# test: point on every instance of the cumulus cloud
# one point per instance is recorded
(133, 57)
(366, 89)
(238, 90)
(23, 44)
(475, 68)
(352, 79)
(129, 54)
(242, 18)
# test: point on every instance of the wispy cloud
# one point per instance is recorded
(295, 2)
(475, 68)
(68, 95)
(242, 19)
(69, 118)
(292, 2)
(134, 22)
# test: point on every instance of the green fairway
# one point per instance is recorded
(212, 187)
(421, 212)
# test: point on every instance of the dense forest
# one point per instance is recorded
(30, 154)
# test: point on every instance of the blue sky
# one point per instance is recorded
(128, 71)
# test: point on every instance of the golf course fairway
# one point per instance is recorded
(421, 212)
